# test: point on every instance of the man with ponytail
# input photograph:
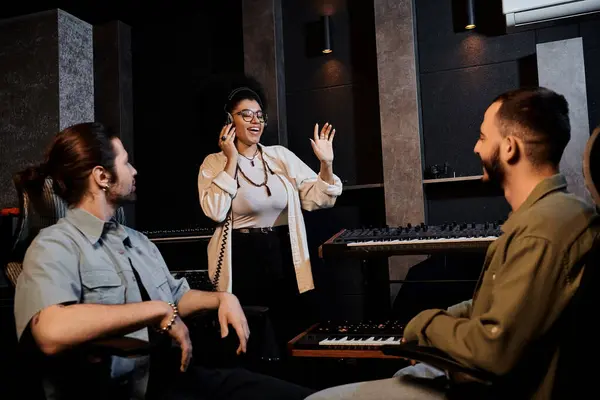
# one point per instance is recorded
(88, 278)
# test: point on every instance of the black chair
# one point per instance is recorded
(573, 332)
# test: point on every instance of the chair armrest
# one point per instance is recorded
(120, 346)
(439, 359)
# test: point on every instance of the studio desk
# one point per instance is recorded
(343, 339)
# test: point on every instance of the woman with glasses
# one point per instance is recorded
(256, 194)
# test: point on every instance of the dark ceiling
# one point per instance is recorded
(131, 12)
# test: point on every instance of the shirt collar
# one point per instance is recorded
(552, 184)
(92, 227)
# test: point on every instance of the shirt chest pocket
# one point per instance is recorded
(156, 282)
(162, 287)
(102, 287)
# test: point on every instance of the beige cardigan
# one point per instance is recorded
(305, 190)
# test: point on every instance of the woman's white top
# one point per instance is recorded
(252, 206)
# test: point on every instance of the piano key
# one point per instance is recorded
(351, 341)
(422, 241)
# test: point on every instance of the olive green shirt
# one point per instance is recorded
(82, 259)
(530, 274)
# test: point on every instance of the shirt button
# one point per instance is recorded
(493, 277)
(133, 279)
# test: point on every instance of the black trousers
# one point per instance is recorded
(264, 275)
(199, 383)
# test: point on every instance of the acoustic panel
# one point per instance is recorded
(46, 65)
(453, 105)
(75, 70)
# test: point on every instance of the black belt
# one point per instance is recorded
(268, 229)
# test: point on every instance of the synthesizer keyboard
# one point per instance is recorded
(197, 279)
(347, 340)
(418, 239)
(180, 235)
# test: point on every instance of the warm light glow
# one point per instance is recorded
(327, 51)
(332, 72)
(472, 26)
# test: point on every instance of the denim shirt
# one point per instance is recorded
(82, 259)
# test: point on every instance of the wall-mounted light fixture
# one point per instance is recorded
(470, 15)
(327, 48)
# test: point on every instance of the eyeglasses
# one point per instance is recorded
(248, 115)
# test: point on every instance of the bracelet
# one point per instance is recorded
(172, 321)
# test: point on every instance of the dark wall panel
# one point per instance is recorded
(453, 104)
(462, 203)
(592, 66)
(113, 88)
(441, 48)
(357, 149)
(304, 70)
(340, 88)
(177, 124)
(590, 31)
(557, 33)
(460, 73)
(333, 105)
(336, 106)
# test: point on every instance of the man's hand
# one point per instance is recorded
(230, 312)
(179, 332)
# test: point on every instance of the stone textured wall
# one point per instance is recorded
(75, 70)
(400, 137)
(46, 68)
(557, 60)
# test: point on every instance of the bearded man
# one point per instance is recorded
(530, 274)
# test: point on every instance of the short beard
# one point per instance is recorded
(495, 169)
(120, 200)
(128, 199)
